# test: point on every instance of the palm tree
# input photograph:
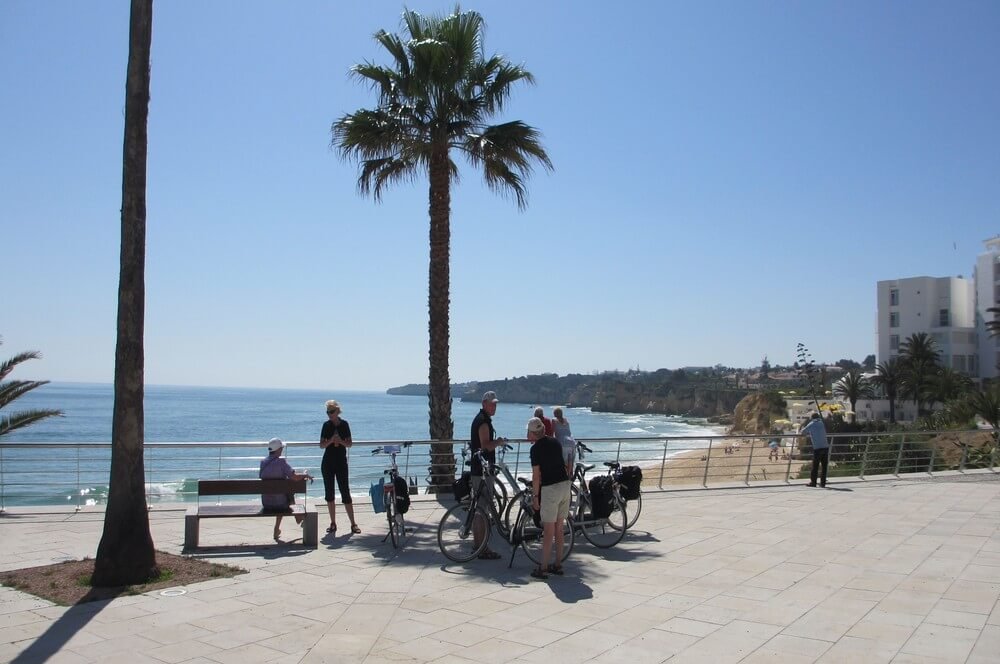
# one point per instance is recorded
(126, 555)
(11, 390)
(889, 379)
(435, 97)
(920, 364)
(853, 386)
(949, 385)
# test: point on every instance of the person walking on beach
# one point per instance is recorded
(273, 467)
(540, 414)
(484, 437)
(550, 486)
(335, 438)
(816, 431)
(562, 432)
(774, 444)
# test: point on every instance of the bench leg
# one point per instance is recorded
(190, 531)
(310, 530)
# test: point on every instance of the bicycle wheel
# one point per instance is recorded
(531, 538)
(634, 508)
(500, 496)
(455, 537)
(508, 512)
(390, 515)
(604, 533)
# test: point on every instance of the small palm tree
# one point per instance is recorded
(949, 385)
(919, 347)
(11, 390)
(853, 386)
(436, 98)
(889, 379)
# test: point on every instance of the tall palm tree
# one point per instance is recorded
(889, 379)
(435, 97)
(853, 386)
(921, 362)
(126, 555)
(11, 390)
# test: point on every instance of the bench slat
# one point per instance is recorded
(221, 511)
(249, 487)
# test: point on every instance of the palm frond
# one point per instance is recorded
(376, 174)
(507, 154)
(14, 389)
(9, 365)
(23, 418)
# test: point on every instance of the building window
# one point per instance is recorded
(893, 342)
(938, 338)
(893, 297)
(943, 318)
(894, 319)
(958, 363)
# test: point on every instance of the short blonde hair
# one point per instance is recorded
(333, 405)
(557, 412)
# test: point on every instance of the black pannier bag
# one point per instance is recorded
(602, 496)
(402, 495)
(462, 487)
(631, 482)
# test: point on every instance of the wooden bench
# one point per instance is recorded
(248, 488)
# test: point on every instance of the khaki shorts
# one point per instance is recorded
(555, 502)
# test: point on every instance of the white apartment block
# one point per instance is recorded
(943, 307)
(987, 279)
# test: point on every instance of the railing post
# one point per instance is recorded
(149, 478)
(663, 463)
(864, 458)
(930, 466)
(964, 459)
(746, 480)
(618, 453)
(899, 454)
(78, 508)
(708, 460)
(792, 445)
(3, 485)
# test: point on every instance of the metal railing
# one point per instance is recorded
(77, 475)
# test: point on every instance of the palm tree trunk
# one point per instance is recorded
(442, 470)
(892, 410)
(126, 554)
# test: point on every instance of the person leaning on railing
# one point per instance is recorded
(816, 431)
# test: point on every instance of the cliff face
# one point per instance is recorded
(693, 400)
(755, 413)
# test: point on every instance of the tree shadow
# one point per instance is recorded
(268, 551)
(67, 625)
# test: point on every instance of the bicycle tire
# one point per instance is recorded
(455, 536)
(390, 509)
(500, 496)
(516, 500)
(531, 538)
(634, 508)
(600, 532)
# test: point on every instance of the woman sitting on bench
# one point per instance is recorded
(276, 468)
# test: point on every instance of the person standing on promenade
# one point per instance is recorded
(560, 427)
(335, 438)
(550, 486)
(540, 414)
(273, 467)
(816, 431)
(484, 437)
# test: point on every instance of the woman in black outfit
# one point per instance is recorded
(335, 439)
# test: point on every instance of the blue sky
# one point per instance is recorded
(731, 178)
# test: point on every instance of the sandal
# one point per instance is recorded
(489, 555)
(538, 573)
(332, 530)
(556, 569)
(355, 529)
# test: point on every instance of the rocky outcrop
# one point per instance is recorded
(756, 412)
(691, 400)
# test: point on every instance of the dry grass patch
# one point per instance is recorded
(69, 582)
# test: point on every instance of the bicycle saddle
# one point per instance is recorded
(612, 464)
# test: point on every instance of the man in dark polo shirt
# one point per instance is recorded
(550, 486)
(484, 437)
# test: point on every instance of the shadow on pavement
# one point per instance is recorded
(570, 589)
(62, 630)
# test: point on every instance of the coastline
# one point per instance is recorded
(687, 466)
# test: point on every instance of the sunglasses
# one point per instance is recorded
(331, 412)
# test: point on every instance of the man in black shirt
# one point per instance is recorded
(550, 485)
(484, 437)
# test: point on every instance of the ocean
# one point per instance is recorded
(181, 415)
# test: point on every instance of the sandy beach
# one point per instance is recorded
(688, 467)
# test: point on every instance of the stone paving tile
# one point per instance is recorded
(784, 648)
(941, 641)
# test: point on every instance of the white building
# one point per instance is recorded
(943, 307)
(987, 279)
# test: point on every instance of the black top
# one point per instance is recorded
(490, 455)
(547, 454)
(335, 454)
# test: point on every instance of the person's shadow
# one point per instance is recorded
(570, 589)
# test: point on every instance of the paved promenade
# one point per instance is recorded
(879, 571)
